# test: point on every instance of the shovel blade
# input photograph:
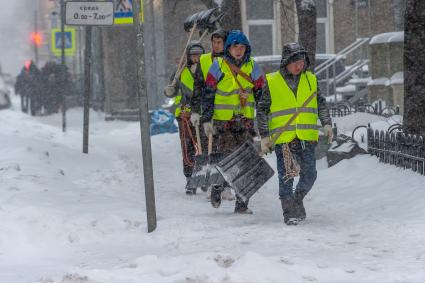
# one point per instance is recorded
(199, 175)
(202, 19)
(213, 176)
(245, 171)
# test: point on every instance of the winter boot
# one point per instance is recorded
(190, 190)
(215, 197)
(299, 196)
(241, 207)
(290, 216)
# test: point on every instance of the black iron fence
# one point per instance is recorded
(344, 109)
(397, 148)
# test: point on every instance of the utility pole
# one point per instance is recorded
(144, 120)
(87, 87)
(36, 34)
(63, 63)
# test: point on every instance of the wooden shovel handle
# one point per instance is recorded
(181, 62)
(198, 140)
(210, 141)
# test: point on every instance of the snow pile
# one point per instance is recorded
(66, 217)
(346, 88)
(359, 81)
(397, 78)
(387, 37)
(383, 81)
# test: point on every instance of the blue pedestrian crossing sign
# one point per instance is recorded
(56, 46)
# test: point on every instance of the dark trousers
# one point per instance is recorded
(188, 146)
(230, 136)
(303, 152)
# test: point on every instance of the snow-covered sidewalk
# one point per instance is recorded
(70, 217)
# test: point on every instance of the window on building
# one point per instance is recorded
(260, 25)
(321, 37)
(321, 8)
(322, 26)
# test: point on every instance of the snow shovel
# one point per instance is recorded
(244, 170)
(203, 20)
(214, 178)
(199, 175)
(205, 173)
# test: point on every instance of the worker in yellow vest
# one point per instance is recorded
(188, 88)
(218, 38)
(287, 91)
(232, 84)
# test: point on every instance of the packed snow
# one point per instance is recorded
(68, 217)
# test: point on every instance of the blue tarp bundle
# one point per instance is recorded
(162, 121)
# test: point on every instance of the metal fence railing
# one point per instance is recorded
(397, 148)
(344, 109)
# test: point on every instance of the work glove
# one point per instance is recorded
(328, 132)
(266, 145)
(194, 119)
(169, 90)
(209, 128)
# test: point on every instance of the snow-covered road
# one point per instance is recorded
(69, 217)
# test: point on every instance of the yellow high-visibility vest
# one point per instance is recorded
(284, 104)
(186, 86)
(206, 61)
(226, 102)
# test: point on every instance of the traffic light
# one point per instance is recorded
(36, 38)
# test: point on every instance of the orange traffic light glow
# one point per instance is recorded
(36, 38)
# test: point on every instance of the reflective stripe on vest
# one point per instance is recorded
(206, 61)
(227, 102)
(284, 104)
(186, 87)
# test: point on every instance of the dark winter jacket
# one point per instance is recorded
(264, 103)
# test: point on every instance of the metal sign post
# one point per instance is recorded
(144, 121)
(87, 89)
(63, 63)
(88, 13)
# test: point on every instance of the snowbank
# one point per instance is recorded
(66, 217)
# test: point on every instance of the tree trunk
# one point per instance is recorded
(232, 18)
(306, 11)
(414, 68)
